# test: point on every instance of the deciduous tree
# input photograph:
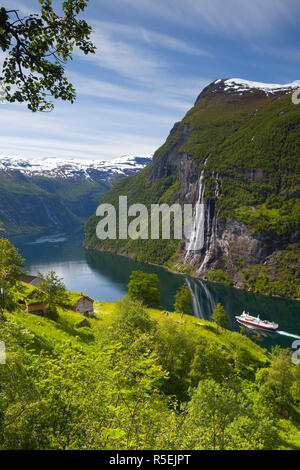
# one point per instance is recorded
(11, 264)
(37, 48)
(53, 287)
(219, 316)
(183, 300)
(143, 287)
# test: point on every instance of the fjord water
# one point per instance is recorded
(105, 276)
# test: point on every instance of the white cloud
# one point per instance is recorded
(223, 17)
(180, 95)
(87, 132)
(125, 59)
(23, 7)
(132, 109)
(104, 150)
(149, 79)
(283, 53)
(128, 51)
(150, 37)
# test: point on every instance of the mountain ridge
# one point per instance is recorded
(56, 168)
(49, 194)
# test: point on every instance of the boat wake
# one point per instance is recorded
(269, 334)
(285, 333)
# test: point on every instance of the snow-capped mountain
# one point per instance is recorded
(94, 170)
(51, 194)
(241, 86)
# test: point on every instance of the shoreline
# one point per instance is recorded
(189, 275)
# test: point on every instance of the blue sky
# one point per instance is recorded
(153, 58)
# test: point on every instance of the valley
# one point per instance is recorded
(52, 194)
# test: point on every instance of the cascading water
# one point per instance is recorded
(211, 238)
(197, 235)
(197, 241)
(204, 230)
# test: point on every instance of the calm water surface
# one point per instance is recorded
(105, 277)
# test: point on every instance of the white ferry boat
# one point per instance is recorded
(246, 319)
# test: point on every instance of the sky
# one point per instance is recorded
(153, 59)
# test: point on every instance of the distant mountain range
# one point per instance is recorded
(237, 151)
(95, 170)
(47, 194)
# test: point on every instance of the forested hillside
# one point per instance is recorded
(132, 377)
(50, 194)
(135, 379)
(244, 140)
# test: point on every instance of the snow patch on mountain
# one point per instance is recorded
(239, 85)
(56, 168)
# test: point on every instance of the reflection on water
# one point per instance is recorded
(203, 300)
(258, 334)
(59, 238)
(284, 312)
(105, 277)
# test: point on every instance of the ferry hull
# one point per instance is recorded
(256, 325)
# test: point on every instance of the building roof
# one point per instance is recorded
(33, 280)
(74, 297)
(36, 297)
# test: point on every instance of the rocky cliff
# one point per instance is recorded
(235, 157)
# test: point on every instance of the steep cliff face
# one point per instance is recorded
(235, 158)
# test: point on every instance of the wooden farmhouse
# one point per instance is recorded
(80, 303)
(39, 308)
(35, 302)
(86, 306)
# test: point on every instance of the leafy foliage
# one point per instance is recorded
(136, 379)
(38, 46)
(143, 287)
(144, 381)
(54, 288)
(219, 316)
(11, 264)
(183, 300)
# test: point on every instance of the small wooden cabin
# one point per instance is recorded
(35, 303)
(80, 303)
(37, 309)
(85, 305)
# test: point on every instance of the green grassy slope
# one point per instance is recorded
(50, 343)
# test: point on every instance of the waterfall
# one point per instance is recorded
(211, 242)
(204, 229)
(217, 190)
(197, 237)
(211, 239)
